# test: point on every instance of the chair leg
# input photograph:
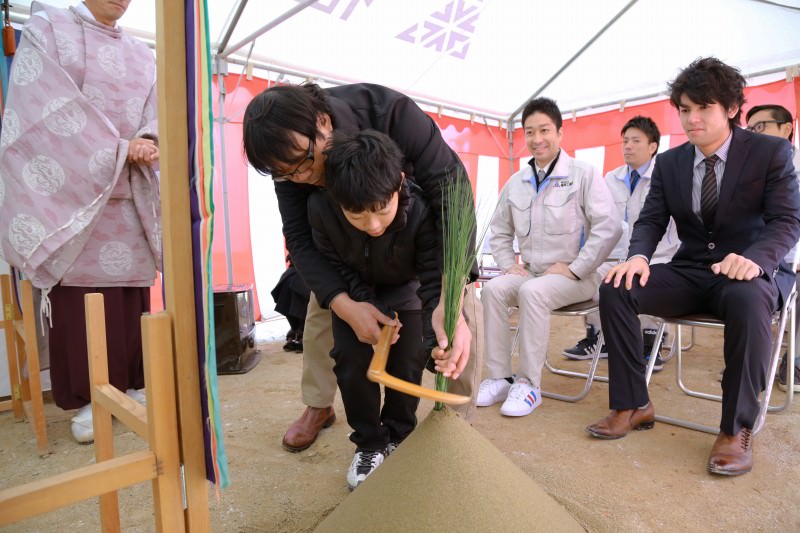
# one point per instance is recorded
(590, 376)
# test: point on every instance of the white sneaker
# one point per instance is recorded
(522, 399)
(492, 391)
(364, 463)
(82, 429)
(137, 395)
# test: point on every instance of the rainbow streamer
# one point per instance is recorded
(201, 150)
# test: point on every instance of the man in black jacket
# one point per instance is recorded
(285, 131)
(734, 199)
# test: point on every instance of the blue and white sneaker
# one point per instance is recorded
(522, 399)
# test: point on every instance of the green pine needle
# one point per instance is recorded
(458, 226)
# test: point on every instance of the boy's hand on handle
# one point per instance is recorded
(450, 360)
(365, 319)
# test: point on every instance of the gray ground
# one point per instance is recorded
(649, 481)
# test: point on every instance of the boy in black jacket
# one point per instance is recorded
(376, 229)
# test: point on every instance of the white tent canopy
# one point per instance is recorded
(488, 57)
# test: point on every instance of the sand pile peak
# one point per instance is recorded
(447, 477)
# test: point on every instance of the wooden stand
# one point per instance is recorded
(170, 338)
(22, 347)
(158, 425)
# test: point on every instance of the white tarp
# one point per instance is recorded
(492, 55)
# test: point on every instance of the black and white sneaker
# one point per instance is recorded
(391, 447)
(364, 463)
(649, 338)
(584, 348)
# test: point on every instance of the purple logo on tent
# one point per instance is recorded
(330, 6)
(448, 30)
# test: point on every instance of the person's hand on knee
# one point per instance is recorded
(627, 270)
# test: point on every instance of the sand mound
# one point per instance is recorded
(447, 477)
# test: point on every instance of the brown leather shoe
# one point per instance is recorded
(732, 455)
(304, 431)
(619, 423)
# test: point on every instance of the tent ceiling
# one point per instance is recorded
(490, 56)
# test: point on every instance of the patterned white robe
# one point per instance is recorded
(72, 209)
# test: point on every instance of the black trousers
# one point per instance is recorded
(745, 307)
(375, 426)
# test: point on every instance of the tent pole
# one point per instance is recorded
(178, 263)
(264, 29)
(223, 170)
(232, 26)
(571, 60)
(510, 130)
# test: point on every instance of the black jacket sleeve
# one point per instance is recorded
(317, 271)
(429, 159)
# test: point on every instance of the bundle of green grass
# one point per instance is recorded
(446, 477)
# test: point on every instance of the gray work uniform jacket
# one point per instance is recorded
(629, 205)
(572, 219)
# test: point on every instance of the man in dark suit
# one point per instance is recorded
(734, 199)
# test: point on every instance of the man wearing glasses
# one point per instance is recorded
(775, 120)
(285, 133)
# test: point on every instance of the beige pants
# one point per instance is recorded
(318, 384)
(536, 297)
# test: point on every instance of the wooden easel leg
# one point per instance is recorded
(34, 377)
(162, 421)
(9, 315)
(101, 418)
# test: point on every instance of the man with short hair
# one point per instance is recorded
(629, 185)
(772, 119)
(563, 218)
(735, 202)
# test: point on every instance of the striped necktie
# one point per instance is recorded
(540, 178)
(708, 193)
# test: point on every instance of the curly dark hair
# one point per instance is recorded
(707, 81)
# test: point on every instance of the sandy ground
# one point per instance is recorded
(649, 481)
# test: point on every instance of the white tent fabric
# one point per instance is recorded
(490, 56)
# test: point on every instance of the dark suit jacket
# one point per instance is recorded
(757, 213)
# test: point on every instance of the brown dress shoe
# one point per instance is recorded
(619, 423)
(304, 431)
(732, 455)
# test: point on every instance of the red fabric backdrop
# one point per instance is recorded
(469, 139)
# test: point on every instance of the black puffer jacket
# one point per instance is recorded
(398, 270)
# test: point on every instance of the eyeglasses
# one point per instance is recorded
(758, 127)
(302, 167)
